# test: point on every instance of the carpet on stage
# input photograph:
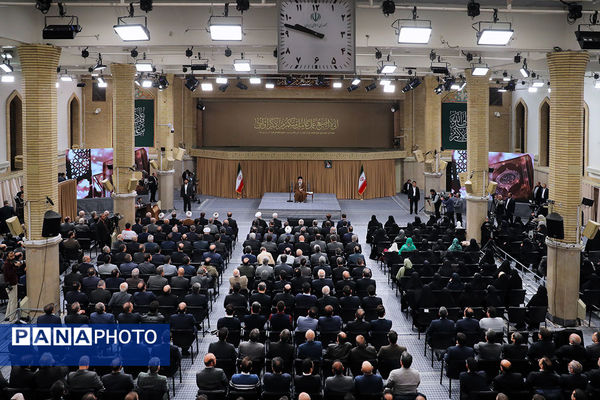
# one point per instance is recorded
(317, 208)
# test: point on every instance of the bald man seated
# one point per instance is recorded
(211, 378)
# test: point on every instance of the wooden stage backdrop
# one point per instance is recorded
(216, 177)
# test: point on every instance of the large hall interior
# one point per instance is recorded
(299, 200)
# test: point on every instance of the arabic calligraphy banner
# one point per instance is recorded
(454, 126)
(248, 123)
(144, 122)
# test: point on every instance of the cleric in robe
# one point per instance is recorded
(299, 191)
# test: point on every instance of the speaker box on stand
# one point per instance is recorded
(555, 226)
(51, 225)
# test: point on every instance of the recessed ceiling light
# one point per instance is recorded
(255, 81)
(206, 86)
(337, 85)
(389, 88)
(269, 85)
(242, 65)
(221, 80)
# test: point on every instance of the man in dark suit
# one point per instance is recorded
(48, 318)
(508, 381)
(183, 321)
(545, 378)
(5, 213)
(277, 381)
(100, 316)
(76, 316)
(221, 349)
(544, 193)
(488, 350)
(572, 351)
(338, 383)
(255, 320)
(329, 322)
(537, 191)
(307, 382)
(371, 301)
(509, 207)
(414, 195)
(574, 379)
(361, 353)
(515, 350)
(236, 299)
(460, 352)
(287, 297)
(211, 378)
(305, 299)
(312, 348)
(367, 383)
(153, 186)
(282, 348)
(472, 380)
(84, 380)
(443, 324)
(381, 324)
(229, 321)
(467, 324)
(359, 325)
(593, 350)
(544, 347)
(117, 380)
(187, 193)
(128, 316)
(392, 351)
(340, 350)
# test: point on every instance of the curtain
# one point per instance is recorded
(9, 188)
(67, 198)
(217, 177)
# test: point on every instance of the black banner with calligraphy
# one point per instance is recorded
(454, 126)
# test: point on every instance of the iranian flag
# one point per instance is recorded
(362, 181)
(239, 180)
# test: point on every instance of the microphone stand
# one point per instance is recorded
(290, 196)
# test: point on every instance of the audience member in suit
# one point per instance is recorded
(307, 382)
(287, 297)
(441, 325)
(338, 383)
(362, 352)
(467, 324)
(76, 315)
(128, 316)
(158, 281)
(229, 321)
(183, 321)
(392, 351)
(84, 380)
(381, 324)
(368, 383)
(180, 281)
(472, 380)
(48, 318)
(255, 320)
(404, 380)
(221, 349)
(460, 352)
(153, 316)
(312, 348)
(253, 348)
(329, 322)
(277, 381)
(515, 350)
(211, 378)
(328, 300)
(359, 325)
(544, 347)
(119, 298)
(282, 348)
(261, 297)
(574, 379)
(117, 380)
(508, 381)
(340, 350)
(151, 381)
(310, 321)
(236, 299)
(371, 301)
(572, 351)
(593, 350)
(142, 297)
(245, 380)
(100, 316)
(488, 350)
(545, 378)
(280, 320)
(168, 299)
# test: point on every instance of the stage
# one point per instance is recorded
(322, 204)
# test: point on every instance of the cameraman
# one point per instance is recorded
(449, 204)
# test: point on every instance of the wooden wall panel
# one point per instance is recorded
(217, 177)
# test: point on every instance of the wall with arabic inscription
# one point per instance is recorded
(309, 124)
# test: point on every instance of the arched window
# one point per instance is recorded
(14, 125)
(544, 134)
(74, 121)
(521, 127)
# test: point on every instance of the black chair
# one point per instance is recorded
(490, 367)
(228, 366)
(439, 342)
(515, 297)
(185, 338)
(214, 394)
(535, 316)
(234, 337)
(109, 394)
(517, 316)
(453, 370)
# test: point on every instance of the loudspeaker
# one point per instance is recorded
(179, 153)
(14, 225)
(154, 164)
(51, 226)
(463, 178)
(107, 184)
(443, 164)
(554, 223)
(419, 155)
(491, 189)
(138, 175)
(429, 165)
(132, 184)
(170, 163)
(587, 202)
(469, 187)
(590, 230)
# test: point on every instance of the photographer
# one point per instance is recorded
(449, 204)
(437, 202)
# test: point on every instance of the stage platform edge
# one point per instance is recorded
(323, 203)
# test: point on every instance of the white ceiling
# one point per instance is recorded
(178, 24)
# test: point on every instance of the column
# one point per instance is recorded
(433, 135)
(567, 69)
(123, 140)
(477, 151)
(166, 169)
(38, 66)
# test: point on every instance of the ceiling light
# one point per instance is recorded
(493, 33)
(371, 86)
(221, 80)
(43, 5)
(549, 90)
(413, 30)
(66, 78)
(147, 83)
(455, 86)
(387, 68)
(144, 66)
(388, 7)
(473, 9)
(532, 89)
(132, 32)
(8, 78)
(240, 85)
(206, 87)
(384, 82)
(7, 55)
(57, 85)
(597, 84)
(411, 85)
(502, 89)
(228, 52)
(355, 81)
(163, 83)
(337, 85)
(537, 84)
(269, 85)
(100, 79)
(99, 65)
(242, 65)
(225, 28)
(395, 107)
(480, 71)
(200, 105)
(103, 84)
(255, 81)
(191, 82)
(389, 88)
(6, 67)
(524, 71)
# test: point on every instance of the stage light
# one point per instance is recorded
(224, 87)
(242, 65)
(228, 52)
(413, 31)
(132, 32)
(134, 53)
(101, 84)
(6, 67)
(147, 83)
(440, 68)
(7, 55)
(146, 5)
(8, 78)
(255, 81)
(502, 89)
(575, 11)
(480, 70)
(505, 77)
(411, 85)
(221, 80)
(389, 88)
(494, 37)
(532, 89)
(85, 53)
(240, 85)
(191, 82)
(395, 107)
(100, 79)
(225, 28)
(206, 86)
(163, 83)
(99, 64)
(473, 9)
(355, 81)
(371, 86)
(352, 88)
(439, 89)
(144, 66)
(66, 78)
(200, 106)
(43, 5)
(189, 52)
(269, 85)
(588, 39)
(337, 85)
(537, 84)
(388, 7)
(242, 5)
(462, 85)
(378, 54)
(455, 86)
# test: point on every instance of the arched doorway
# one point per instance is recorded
(74, 121)
(520, 127)
(544, 135)
(14, 125)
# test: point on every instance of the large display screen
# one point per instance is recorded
(91, 166)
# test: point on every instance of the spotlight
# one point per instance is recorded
(200, 106)
(473, 9)
(99, 65)
(132, 32)
(413, 31)
(537, 84)
(387, 68)
(184, 69)
(85, 53)
(134, 53)
(240, 85)
(575, 11)
(147, 83)
(242, 5)
(213, 69)
(225, 28)
(517, 58)
(385, 82)
(228, 52)
(480, 70)
(524, 71)
(43, 5)
(146, 5)
(438, 89)
(388, 7)
(6, 67)
(352, 88)
(224, 87)
(378, 54)
(395, 107)
(144, 66)
(242, 65)
(191, 82)
(411, 85)
(469, 57)
(163, 83)
(189, 52)
(371, 86)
